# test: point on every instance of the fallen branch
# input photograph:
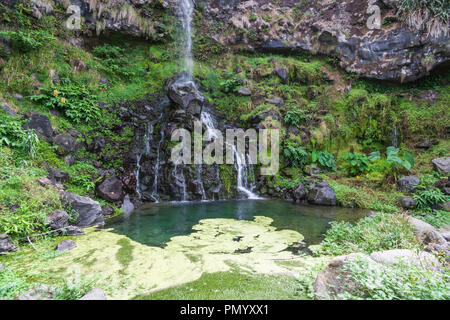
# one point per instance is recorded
(28, 238)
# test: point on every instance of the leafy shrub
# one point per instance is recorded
(393, 163)
(295, 155)
(427, 198)
(13, 135)
(438, 8)
(325, 159)
(295, 117)
(27, 40)
(396, 282)
(230, 85)
(114, 62)
(357, 163)
(76, 101)
(384, 231)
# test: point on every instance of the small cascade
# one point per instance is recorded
(200, 181)
(148, 136)
(240, 159)
(155, 194)
(186, 11)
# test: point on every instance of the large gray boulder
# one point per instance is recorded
(407, 183)
(321, 193)
(66, 144)
(6, 245)
(89, 211)
(407, 257)
(442, 165)
(58, 219)
(111, 189)
(94, 294)
(40, 123)
(425, 232)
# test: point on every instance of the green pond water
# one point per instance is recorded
(156, 224)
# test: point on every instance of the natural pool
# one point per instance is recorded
(209, 250)
(155, 224)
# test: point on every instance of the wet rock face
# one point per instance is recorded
(338, 29)
(110, 189)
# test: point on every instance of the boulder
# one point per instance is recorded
(312, 170)
(334, 279)
(441, 165)
(407, 202)
(407, 183)
(58, 219)
(41, 292)
(65, 245)
(66, 144)
(94, 294)
(277, 101)
(8, 110)
(111, 189)
(97, 145)
(72, 231)
(58, 175)
(321, 193)
(6, 245)
(88, 210)
(244, 92)
(425, 232)
(299, 192)
(40, 123)
(282, 74)
(408, 257)
(44, 181)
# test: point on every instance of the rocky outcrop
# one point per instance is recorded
(425, 232)
(66, 144)
(299, 192)
(88, 210)
(396, 51)
(321, 193)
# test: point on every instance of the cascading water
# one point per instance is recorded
(241, 164)
(144, 151)
(186, 10)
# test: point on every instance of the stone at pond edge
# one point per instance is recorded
(407, 202)
(407, 183)
(321, 193)
(65, 245)
(6, 245)
(94, 294)
(299, 192)
(441, 165)
(88, 210)
(58, 219)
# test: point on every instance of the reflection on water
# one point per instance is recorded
(155, 224)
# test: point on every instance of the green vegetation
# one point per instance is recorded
(233, 285)
(396, 282)
(382, 232)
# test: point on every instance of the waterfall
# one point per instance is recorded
(155, 194)
(240, 159)
(186, 8)
(148, 136)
